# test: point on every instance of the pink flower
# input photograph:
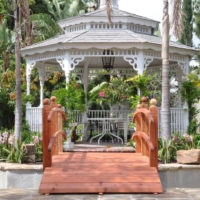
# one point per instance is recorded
(36, 139)
(11, 139)
(176, 138)
(187, 137)
(5, 137)
(102, 93)
(1, 139)
(122, 96)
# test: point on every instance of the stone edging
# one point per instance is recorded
(39, 167)
(17, 166)
(176, 166)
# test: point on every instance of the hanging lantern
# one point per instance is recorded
(108, 61)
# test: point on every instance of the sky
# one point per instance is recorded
(146, 8)
(151, 9)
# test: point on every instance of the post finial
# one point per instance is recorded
(144, 99)
(46, 101)
(59, 106)
(139, 106)
(53, 99)
(153, 102)
(144, 103)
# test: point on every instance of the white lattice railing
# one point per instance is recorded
(34, 118)
(95, 114)
(179, 117)
(179, 120)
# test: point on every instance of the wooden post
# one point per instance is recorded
(138, 128)
(46, 134)
(145, 125)
(154, 133)
(53, 124)
(60, 127)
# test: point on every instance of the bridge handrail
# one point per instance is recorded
(53, 117)
(52, 140)
(139, 134)
(146, 134)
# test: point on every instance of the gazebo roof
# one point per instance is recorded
(94, 37)
(91, 30)
(102, 13)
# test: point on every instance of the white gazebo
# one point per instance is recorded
(88, 38)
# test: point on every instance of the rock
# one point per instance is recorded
(188, 156)
(30, 155)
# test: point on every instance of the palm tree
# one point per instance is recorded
(44, 25)
(177, 26)
(18, 107)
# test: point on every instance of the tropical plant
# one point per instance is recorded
(167, 150)
(6, 44)
(16, 155)
(197, 17)
(72, 97)
(191, 94)
(60, 9)
(43, 27)
(187, 32)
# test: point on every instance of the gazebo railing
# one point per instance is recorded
(179, 117)
(118, 114)
(179, 120)
(34, 118)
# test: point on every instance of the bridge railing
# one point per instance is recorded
(146, 134)
(53, 133)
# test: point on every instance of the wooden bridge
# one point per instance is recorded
(100, 172)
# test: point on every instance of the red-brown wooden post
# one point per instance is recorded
(154, 133)
(46, 134)
(145, 125)
(53, 124)
(60, 127)
(138, 128)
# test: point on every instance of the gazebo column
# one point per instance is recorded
(42, 76)
(65, 64)
(29, 67)
(68, 63)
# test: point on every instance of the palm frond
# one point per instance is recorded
(44, 27)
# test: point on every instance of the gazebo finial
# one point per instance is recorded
(114, 3)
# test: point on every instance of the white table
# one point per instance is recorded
(106, 128)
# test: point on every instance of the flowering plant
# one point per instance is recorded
(9, 153)
(112, 92)
(7, 149)
(6, 141)
(167, 151)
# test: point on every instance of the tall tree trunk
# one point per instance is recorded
(6, 60)
(18, 107)
(165, 105)
(27, 22)
(20, 27)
